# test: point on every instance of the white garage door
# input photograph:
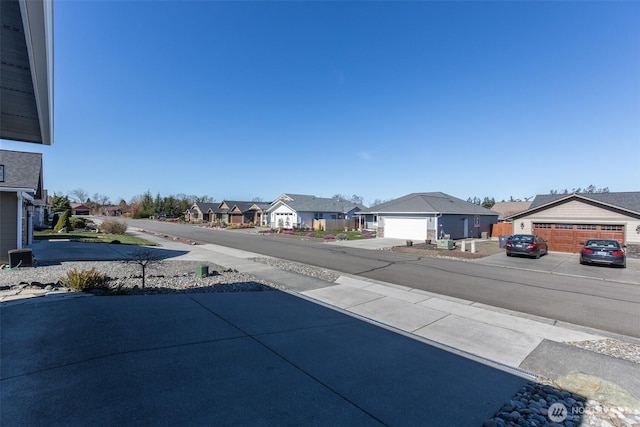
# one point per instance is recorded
(406, 228)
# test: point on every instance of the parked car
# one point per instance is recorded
(526, 244)
(601, 251)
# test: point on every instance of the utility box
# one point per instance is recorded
(202, 271)
(20, 258)
(445, 244)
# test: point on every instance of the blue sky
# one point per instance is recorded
(238, 100)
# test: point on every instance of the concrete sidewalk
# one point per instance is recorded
(492, 342)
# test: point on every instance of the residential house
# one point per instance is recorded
(505, 210)
(239, 212)
(41, 208)
(567, 220)
(301, 210)
(199, 212)
(80, 209)
(20, 186)
(429, 216)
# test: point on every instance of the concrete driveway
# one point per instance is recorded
(248, 358)
(569, 264)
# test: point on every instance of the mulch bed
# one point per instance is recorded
(483, 249)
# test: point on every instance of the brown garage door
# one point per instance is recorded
(567, 237)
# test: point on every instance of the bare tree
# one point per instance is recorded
(144, 257)
(379, 201)
(79, 195)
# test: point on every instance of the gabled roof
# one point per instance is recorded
(22, 171)
(430, 203)
(204, 207)
(241, 205)
(625, 201)
(309, 203)
(506, 209)
(262, 205)
(80, 206)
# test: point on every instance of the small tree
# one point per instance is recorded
(144, 258)
(63, 222)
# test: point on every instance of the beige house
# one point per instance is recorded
(20, 187)
(566, 221)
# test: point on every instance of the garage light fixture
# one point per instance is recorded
(522, 225)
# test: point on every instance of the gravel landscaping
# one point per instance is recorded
(160, 277)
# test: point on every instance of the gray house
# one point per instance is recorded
(429, 216)
(301, 210)
(20, 187)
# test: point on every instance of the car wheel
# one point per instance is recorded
(508, 254)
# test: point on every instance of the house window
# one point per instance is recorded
(317, 215)
(590, 227)
(564, 226)
(612, 228)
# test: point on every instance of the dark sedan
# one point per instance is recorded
(526, 244)
(599, 251)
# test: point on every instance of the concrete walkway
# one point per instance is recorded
(328, 333)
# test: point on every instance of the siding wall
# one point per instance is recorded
(454, 225)
(8, 224)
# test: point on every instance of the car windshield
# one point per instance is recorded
(603, 243)
(522, 238)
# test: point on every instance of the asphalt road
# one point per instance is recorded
(609, 306)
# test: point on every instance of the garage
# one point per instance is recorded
(562, 237)
(405, 228)
(566, 220)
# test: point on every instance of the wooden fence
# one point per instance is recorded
(334, 224)
(502, 229)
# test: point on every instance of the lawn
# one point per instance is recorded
(80, 236)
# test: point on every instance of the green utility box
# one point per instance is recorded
(445, 244)
(202, 271)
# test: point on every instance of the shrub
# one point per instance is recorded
(329, 237)
(113, 227)
(309, 235)
(342, 236)
(290, 232)
(63, 222)
(77, 223)
(84, 280)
